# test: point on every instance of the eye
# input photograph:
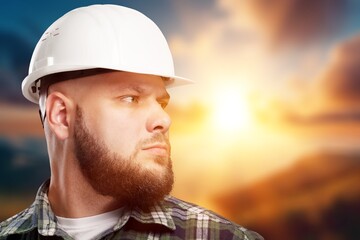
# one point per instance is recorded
(130, 99)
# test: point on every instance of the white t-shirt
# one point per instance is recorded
(87, 228)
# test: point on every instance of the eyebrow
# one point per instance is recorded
(138, 89)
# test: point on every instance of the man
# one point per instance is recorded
(99, 75)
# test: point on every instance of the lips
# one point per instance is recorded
(157, 149)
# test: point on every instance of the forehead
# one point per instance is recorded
(116, 81)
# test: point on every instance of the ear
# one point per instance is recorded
(58, 114)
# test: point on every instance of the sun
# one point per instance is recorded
(231, 112)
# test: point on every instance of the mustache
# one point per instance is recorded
(156, 138)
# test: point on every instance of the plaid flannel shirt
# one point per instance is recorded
(170, 219)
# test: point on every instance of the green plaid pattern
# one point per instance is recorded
(170, 219)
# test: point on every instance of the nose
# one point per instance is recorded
(158, 120)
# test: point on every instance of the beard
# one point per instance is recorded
(121, 177)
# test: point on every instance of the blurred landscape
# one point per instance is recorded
(269, 136)
(317, 198)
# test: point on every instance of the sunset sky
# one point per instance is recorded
(274, 80)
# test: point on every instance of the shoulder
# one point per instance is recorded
(20, 223)
(191, 216)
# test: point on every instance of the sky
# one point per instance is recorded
(274, 80)
(289, 42)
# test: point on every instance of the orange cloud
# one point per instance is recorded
(287, 22)
(340, 83)
(331, 100)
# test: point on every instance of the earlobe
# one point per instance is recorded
(57, 112)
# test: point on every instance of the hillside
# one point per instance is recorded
(317, 198)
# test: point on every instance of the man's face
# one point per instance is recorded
(121, 137)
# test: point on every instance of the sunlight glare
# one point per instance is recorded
(231, 111)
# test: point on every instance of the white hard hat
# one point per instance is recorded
(100, 36)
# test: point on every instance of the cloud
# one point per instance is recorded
(289, 22)
(339, 85)
(335, 94)
(229, 37)
(323, 118)
(14, 62)
(212, 48)
(331, 97)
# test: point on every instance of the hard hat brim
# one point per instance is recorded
(28, 83)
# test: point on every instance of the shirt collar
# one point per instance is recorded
(46, 221)
(40, 215)
(158, 214)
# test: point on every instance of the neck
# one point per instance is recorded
(71, 195)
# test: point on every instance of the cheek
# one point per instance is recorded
(119, 131)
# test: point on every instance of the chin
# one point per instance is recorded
(155, 165)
